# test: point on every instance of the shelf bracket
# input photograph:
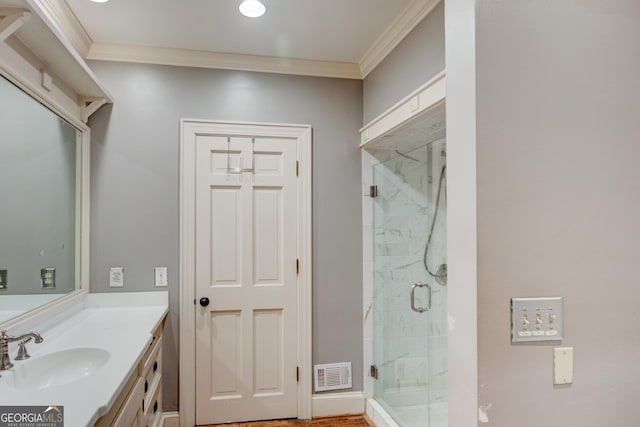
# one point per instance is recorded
(88, 106)
(12, 21)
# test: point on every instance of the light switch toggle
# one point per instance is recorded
(538, 319)
(525, 321)
(552, 317)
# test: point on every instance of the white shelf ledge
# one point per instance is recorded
(37, 56)
(427, 97)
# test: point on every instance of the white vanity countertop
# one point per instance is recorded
(122, 324)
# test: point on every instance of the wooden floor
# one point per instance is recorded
(347, 421)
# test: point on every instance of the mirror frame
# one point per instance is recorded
(82, 238)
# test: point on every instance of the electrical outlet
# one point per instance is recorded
(161, 277)
(116, 277)
(48, 278)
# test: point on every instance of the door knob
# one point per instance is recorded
(204, 301)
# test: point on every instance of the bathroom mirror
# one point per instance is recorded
(40, 203)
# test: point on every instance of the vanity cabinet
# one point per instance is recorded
(140, 402)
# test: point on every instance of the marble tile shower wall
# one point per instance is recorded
(403, 212)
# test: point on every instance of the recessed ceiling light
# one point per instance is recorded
(99, 1)
(252, 8)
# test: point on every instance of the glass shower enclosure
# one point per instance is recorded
(409, 286)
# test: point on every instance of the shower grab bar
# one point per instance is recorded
(413, 297)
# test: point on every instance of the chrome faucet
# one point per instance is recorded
(5, 362)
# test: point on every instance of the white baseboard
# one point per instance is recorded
(170, 419)
(338, 403)
(323, 405)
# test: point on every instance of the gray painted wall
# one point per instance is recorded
(37, 194)
(558, 205)
(134, 186)
(418, 58)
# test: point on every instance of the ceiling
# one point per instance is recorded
(337, 31)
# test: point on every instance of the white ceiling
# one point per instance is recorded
(327, 30)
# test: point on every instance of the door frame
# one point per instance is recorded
(302, 134)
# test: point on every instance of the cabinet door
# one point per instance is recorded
(129, 415)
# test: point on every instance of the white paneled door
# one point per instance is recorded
(246, 249)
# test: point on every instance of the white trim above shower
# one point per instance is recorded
(424, 99)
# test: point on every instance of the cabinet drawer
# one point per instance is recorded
(149, 360)
(153, 412)
(152, 375)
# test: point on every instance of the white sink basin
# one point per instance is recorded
(61, 367)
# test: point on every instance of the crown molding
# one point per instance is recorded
(59, 13)
(395, 33)
(227, 61)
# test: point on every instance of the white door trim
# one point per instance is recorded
(189, 128)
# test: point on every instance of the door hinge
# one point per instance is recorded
(373, 191)
(297, 167)
(297, 374)
(373, 371)
(297, 266)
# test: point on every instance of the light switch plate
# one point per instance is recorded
(160, 275)
(563, 365)
(536, 319)
(116, 277)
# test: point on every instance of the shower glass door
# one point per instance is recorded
(410, 330)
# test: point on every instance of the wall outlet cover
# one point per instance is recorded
(116, 277)
(563, 365)
(48, 278)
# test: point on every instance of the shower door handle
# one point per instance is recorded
(413, 297)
